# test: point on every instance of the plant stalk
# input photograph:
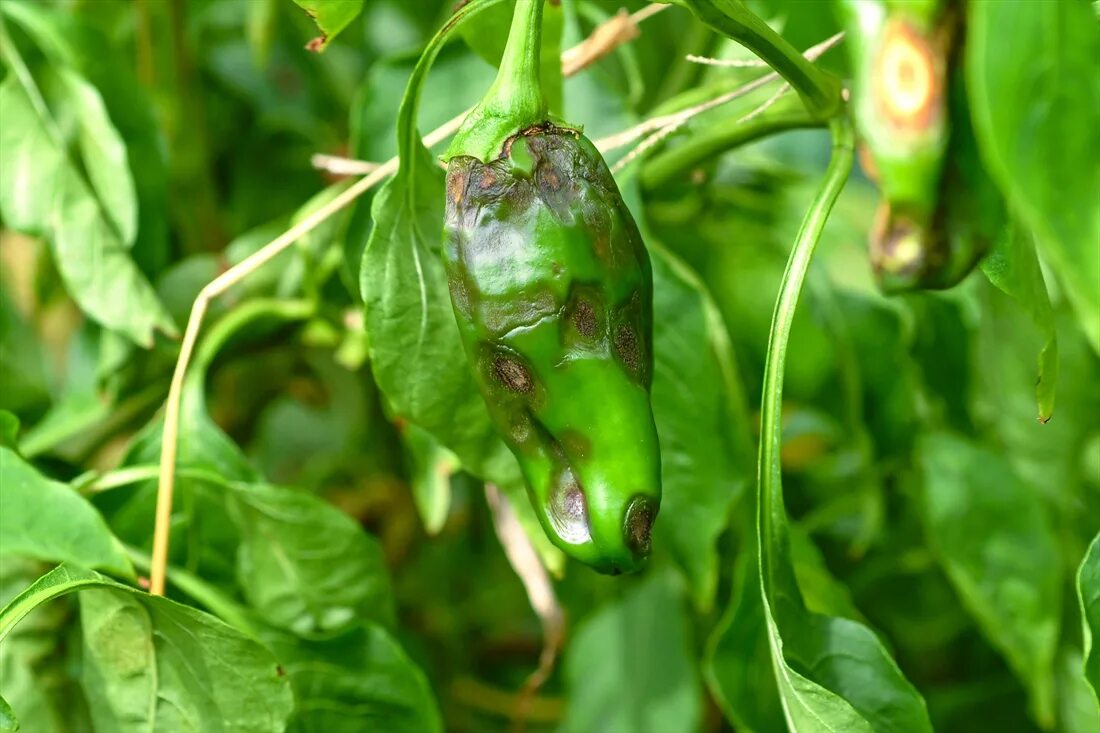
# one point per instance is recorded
(773, 542)
(515, 100)
(707, 144)
(819, 90)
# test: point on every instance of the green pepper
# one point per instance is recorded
(940, 210)
(552, 290)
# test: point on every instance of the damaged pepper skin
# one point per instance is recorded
(940, 210)
(552, 290)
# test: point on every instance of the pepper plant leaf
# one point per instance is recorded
(1027, 116)
(150, 662)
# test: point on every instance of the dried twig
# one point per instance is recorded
(658, 128)
(734, 63)
(342, 166)
(662, 127)
(617, 30)
(243, 269)
(783, 89)
(213, 289)
(540, 592)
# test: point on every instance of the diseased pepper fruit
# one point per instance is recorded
(552, 290)
(940, 210)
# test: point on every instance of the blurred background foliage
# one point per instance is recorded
(916, 470)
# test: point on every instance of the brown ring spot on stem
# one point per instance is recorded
(907, 78)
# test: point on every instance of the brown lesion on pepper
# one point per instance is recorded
(456, 185)
(626, 346)
(457, 283)
(549, 181)
(584, 319)
(544, 130)
(512, 374)
(576, 444)
(628, 340)
(639, 524)
(487, 179)
(909, 77)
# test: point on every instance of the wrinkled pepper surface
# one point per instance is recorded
(552, 291)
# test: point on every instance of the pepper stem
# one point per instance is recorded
(818, 90)
(514, 102)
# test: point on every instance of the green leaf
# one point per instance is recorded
(738, 650)
(702, 422)
(990, 532)
(331, 17)
(152, 664)
(103, 153)
(414, 341)
(1078, 706)
(355, 679)
(48, 521)
(94, 262)
(203, 536)
(1013, 267)
(23, 366)
(33, 658)
(359, 679)
(9, 430)
(1036, 117)
(432, 468)
(629, 667)
(69, 42)
(1088, 593)
(8, 721)
(82, 404)
(303, 564)
(261, 24)
(415, 350)
(738, 647)
(416, 354)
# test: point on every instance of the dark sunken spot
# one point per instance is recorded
(639, 525)
(626, 346)
(584, 319)
(456, 183)
(550, 181)
(512, 374)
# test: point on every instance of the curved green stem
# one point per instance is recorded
(516, 88)
(708, 143)
(92, 483)
(244, 315)
(771, 514)
(515, 100)
(819, 90)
